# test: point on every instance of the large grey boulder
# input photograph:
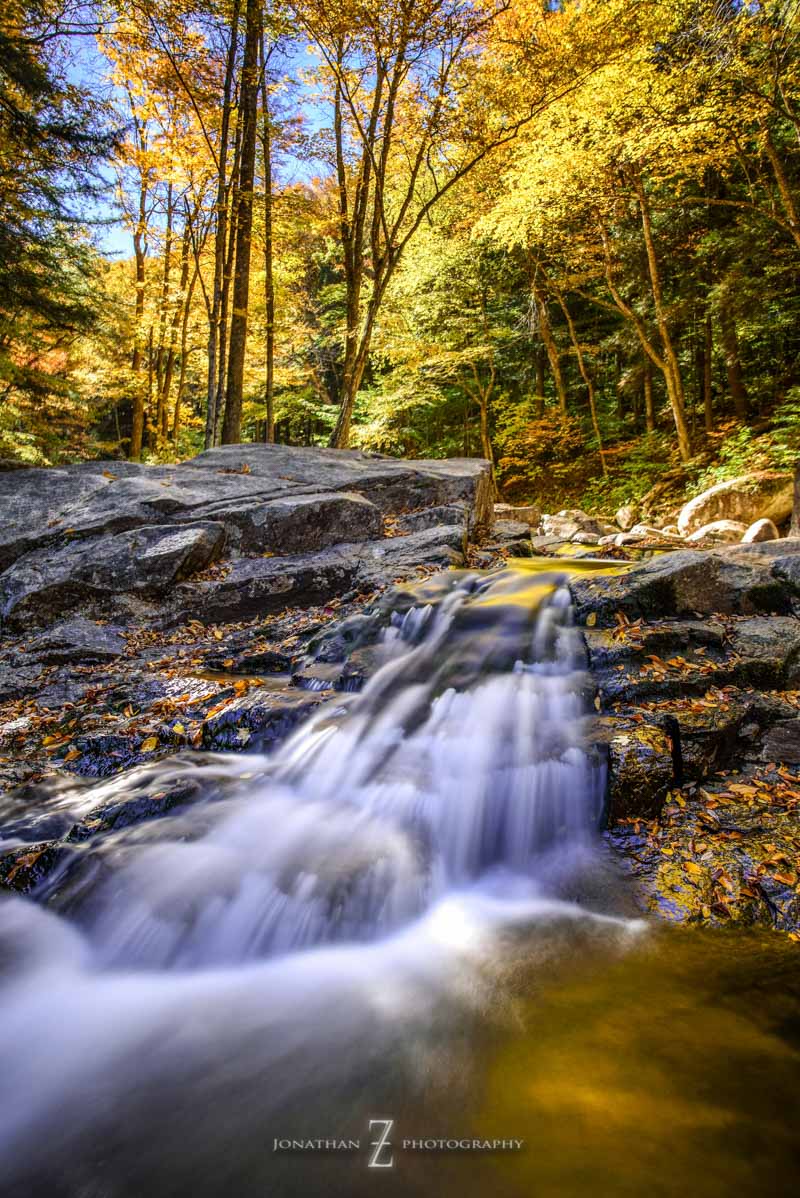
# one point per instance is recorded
(256, 586)
(762, 495)
(83, 533)
(339, 496)
(736, 579)
(298, 523)
(719, 532)
(143, 561)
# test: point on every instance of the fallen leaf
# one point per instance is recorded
(148, 745)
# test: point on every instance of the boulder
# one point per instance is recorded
(262, 586)
(561, 527)
(432, 517)
(79, 640)
(340, 495)
(144, 561)
(626, 517)
(736, 579)
(641, 771)
(526, 514)
(657, 534)
(569, 524)
(765, 494)
(513, 535)
(781, 742)
(719, 532)
(298, 523)
(795, 527)
(761, 530)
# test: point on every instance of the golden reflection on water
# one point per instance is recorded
(673, 1071)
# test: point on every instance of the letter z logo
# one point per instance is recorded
(381, 1145)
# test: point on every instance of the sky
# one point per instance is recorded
(88, 67)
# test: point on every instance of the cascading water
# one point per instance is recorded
(392, 839)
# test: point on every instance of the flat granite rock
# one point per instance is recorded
(235, 485)
(143, 561)
(736, 579)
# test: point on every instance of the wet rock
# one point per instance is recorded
(781, 742)
(146, 561)
(744, 579)
(765, 494)
(16, 681)
(258, 586)
(128, 810)
(25, 867)
(341, 640)
(626, 517)
(724, 853)
(381, 563)
(235, 486)
(768, 651)
(78, 640)
(762, 530)
(524, 514)
(795, 525)
(431, 517)
(298, 523)
(719, 532)
(258, 719)
(264, 661)
(511, 535)
(641, 770)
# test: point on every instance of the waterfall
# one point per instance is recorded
(315, 929)
(444, 772)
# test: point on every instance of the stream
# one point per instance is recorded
(395, 954)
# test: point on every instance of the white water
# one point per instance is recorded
(250, 951)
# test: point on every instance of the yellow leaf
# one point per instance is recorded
(591, 619)
(148, 745)
(73, 755)
(217, 634)
(179, 728)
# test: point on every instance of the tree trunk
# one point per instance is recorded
(708, 362)
(232, 200)
(587, 378)
(541, 359)
(139, 253)
(220, 233)
(673, 373)
(551, 349)
(269, 277)
(649, 408)
(232, 423)
(162, 353)
(733, 365)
